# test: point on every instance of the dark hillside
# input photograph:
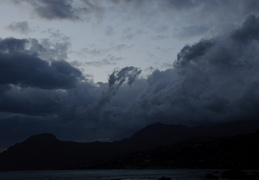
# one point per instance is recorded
(155, 146)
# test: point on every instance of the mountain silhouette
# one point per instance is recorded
(238, 152)
(155, 146)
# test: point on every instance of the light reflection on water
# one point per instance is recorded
(104, 174)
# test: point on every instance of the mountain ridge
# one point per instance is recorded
(45, 151)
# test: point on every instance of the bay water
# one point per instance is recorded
(114, 174)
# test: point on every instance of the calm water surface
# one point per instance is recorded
(104, 174)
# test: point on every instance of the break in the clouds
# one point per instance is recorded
(214, 79)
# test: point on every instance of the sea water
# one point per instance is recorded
(104, 174)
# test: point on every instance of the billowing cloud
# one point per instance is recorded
(29, 84)
(126, 75)
(30, 101)
(20, 67)
(249, 31)
(32, 88)
(213, 80)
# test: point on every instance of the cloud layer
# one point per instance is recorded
(19, 66)
(213, 80)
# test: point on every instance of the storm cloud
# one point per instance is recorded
(213, 80)
(194, 18)
(31, 85)
(54, 9)
(19, 67)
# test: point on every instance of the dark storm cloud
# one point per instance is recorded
(19, 67)
(92, 8)
(11, 45)
(249, 31)
(32, 89)
(192, 53)
(213, 80)
(54, 9)
(31, 85)
(20, 27)
(30, 101)
(126, 75)
(145, 10)
(74, 10)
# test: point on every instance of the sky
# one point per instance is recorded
(89, 70)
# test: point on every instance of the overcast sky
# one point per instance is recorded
(90, 69)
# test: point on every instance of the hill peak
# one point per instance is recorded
(44, 137)
(158, 129)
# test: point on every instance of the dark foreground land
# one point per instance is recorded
(157, 146)
(130, 174)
